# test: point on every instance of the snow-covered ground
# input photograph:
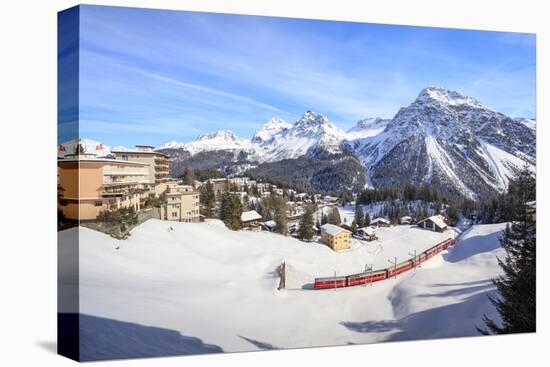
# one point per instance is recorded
(202, 288)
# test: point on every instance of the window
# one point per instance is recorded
(98, 203)
(174, 214)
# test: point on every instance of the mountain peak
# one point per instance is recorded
(441, 96)
(312, 118)
(276, 122)
(274, 126)
(219, 134)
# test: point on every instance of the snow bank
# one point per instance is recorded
(217, 289)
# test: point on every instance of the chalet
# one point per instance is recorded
(380, 222)
(250, 218)
(366, 233)
(405, 220)
(337, 238)
(268, 225)
(435, 223)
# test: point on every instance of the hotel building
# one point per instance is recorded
(87, 185)
(158, 163)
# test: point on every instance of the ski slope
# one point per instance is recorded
(202, 288)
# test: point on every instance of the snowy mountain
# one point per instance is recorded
(274, 141)
(450, 141)
(311, 134)
(218, 140)
(366, 128)
(444, 138)
(271, 128)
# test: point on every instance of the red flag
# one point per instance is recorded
(99, 147)
(61, 148)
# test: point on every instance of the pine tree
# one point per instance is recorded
(359, 216)
(334, 217)
(516, 300)
(237, 210)
(306, 231)
(208, 198)
(188, 176)
(367, 219)
(452, 215)
(231, 210)
(281, 226)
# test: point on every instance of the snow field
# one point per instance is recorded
(204, 281)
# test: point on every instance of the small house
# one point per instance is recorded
(380, 222)
(337, 238)
(366, 233)
(250, 218)
(405, 220)
(268, 225)
(435, 223)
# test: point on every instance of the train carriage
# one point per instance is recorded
(399, 268)
(329, 282)
(365, 278)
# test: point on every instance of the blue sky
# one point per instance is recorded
(152, 76)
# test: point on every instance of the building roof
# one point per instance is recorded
(437, 219)
(380, 220)
(250, 215)
(369, 231)
(270, 223)
(405, 217)
(139, 151)
(81, 159)
(332, 229)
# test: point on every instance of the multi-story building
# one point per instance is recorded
(181, 204)
(335, 237)
(158, 163)
(87, 185)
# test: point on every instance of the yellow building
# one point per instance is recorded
(181, 204)
(87, 185)
(335, 237)
(158, 164)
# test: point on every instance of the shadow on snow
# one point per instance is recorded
(104, 339)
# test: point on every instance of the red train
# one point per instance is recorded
(377, 275)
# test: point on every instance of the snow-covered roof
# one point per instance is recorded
(437, 219)
(380, 220)
(367, 230)
(332, 229)
(250, 216)
(270, 223)
(406, 217)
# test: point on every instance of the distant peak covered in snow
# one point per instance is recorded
(447, 97)
(218, 135)
(274, 126)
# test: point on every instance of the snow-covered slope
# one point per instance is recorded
(367, 128)
(202, 288)
(450, 141)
